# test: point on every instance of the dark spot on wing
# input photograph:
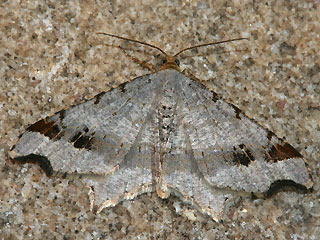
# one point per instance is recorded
(270, 134)
(289, 151)
(283, 151)
(122, 87)
(286, 185)
(42, 161)
(47, 128)
(237, 111)
(98, 97)
(82, 140)
(247, 151)
(215, 96)
(75, 137)
(62, 114)
(242, 157)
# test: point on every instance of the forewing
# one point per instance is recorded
(233, 151)
(214, 150)
(107, 140)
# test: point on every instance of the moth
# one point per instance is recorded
(167, 133)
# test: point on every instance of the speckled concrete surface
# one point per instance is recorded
(51, 58)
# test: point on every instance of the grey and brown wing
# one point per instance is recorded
(233, 151)
(107, 140)
(215, 151)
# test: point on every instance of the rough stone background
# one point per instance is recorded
(51, 58)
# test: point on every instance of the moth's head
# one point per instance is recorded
(170, 62)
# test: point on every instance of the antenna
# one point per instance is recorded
(181, 51)
(209, 44)
(136, 41)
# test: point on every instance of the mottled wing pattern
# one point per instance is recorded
(214, 150)
(233, 151)
(108, 140)
(163, 132)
